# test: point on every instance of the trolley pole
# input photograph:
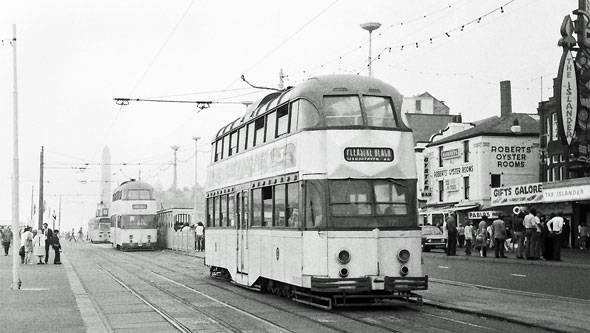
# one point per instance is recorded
(196, 138)
(15, 179)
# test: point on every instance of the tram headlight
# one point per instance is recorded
(130, 238)
(403, 255)
(404, 270)
(149, 238)
(343, 272)
(344, 257)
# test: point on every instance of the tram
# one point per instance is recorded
(312, 195)
(169, 221)
(133, 217)
(99, 230)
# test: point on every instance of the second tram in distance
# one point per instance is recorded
(312, 195)
(99, 227)
(133, 217)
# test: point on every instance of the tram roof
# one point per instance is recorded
(134, 184)
(314, 89)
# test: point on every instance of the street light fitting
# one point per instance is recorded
(370, 26)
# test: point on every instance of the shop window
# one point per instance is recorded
(496, 180)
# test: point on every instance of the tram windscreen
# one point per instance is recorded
(138, 221)
(342, 110)
(359, 201)
(104, 226)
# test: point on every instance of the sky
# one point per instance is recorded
(74, 57)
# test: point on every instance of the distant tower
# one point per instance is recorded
(105, 177)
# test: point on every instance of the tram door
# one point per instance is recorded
(242, 231)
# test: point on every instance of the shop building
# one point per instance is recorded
(465, 167)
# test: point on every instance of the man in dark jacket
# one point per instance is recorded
(452, 230)
(49, 235)
(56, 246)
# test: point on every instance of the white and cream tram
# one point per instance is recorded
(99, 229)
(133, 217)
(312, 195)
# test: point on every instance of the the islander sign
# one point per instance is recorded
(567, 84)
(516, 195)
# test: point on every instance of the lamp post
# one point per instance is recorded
(370, 26)
(196, 138)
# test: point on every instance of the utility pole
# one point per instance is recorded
(59, 216)
(15, 178)
(32, 203)
(281, 81)
(174, 183)
(41, 206)
(196, 138)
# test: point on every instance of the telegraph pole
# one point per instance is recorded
(196, 182)
(15, 178)
(41, 206)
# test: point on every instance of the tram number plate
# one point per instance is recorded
(139, 244)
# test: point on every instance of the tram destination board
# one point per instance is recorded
(368, 154)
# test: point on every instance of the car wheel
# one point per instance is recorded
(425, 249)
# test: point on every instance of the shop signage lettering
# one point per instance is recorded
(366, 154)
(452, 184)
(466, 169)
(511, 156)
(478, 214)
(567, 193)
(138, 206)
(519, 194)
(448, 154)
(568, 94)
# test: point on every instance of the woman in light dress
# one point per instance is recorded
(39, 247)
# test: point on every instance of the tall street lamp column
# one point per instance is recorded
(370, 27)
(175, 148)
(196, 138)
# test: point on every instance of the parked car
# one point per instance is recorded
(432, 238)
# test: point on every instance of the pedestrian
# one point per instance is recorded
(468, 233)
(39, 247)
(531, 225)
(81, 234)
(482, 236)
(565, 234)
(583, 235)
(28, 244)
(555, 229)
(461, 234)
(48, 236)
(499, 236)
(519, 233)
(445, 235)
(56, 247)
(6, 239)
(200, 234)
(72, 236)
(452, 235)
(545, 244)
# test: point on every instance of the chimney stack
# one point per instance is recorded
(505, 98)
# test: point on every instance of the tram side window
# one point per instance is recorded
(223, 211)
(314, 207)
(218, 145)
(280, 196)
(231, 210)
(225, 152)
(251, 134)
(292, 210)
(303, 115)
(267, 211)
(259, 131)
(271, 123)
(256, 207)
(379, 111)
(210, 212)
(217, 212)
(283, 120)
(342, 111)
(233, 143)
(390, 198)
(242, 138)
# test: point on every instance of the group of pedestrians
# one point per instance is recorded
(37, 243)
(533, 237)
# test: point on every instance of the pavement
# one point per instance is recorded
(53, 299)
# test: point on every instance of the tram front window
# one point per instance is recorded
(138, 221)
(351, 197)
(379, 111)
(343, 110)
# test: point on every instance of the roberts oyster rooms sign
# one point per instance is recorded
(368, 154)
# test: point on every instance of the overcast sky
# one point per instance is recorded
(74, 57)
